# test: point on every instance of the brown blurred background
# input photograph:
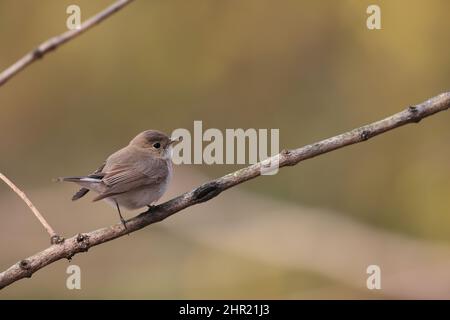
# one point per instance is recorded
(311, 69)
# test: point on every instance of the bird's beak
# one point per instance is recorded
(175, 139)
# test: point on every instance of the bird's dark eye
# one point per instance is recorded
(157, 145)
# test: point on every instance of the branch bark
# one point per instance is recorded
(82, 242)
(53, 43)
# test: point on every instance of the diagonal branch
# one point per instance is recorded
(53, 43)
(209, 190)
(55, 238)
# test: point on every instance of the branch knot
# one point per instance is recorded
(83, 241)
(415, 116)
(25, 264)
(365, 135)
(38, 53)
(206, 191)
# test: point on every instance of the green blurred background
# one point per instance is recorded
(309, 68)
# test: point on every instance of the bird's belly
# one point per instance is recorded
(139, 198)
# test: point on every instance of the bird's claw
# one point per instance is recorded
(124, 223)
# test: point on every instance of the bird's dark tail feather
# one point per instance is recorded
(80, 193)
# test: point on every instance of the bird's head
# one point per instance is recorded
(156, 142)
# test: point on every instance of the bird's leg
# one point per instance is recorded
(120, 215)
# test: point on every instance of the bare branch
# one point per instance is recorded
(53, 43)
(53, 235)
(209, 190)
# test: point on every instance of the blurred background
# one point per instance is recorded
(309, 68)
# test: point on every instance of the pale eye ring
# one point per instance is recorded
(157, 145)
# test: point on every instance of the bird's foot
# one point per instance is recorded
(124, 223)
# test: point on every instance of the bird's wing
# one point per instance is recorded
(124, 177)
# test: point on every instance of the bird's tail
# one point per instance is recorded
(83, 191)
(78, 179)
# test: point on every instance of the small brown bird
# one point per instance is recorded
(133, 177)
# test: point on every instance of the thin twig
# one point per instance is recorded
(53, 235)
(53, 43)
(209, 190)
